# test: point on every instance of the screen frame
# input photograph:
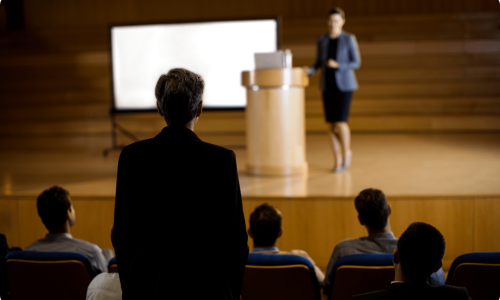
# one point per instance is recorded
(115, 110)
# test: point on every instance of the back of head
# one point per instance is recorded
(421, 249)
(179, 94)
(372, 207)
(265, 225)
(52, 206)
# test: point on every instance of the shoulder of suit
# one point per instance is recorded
(371, 295)
(450, 290)
(138, 145)
(323, 36)
(216, 147)
(348, 34)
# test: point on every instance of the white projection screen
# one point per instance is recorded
(217, 50)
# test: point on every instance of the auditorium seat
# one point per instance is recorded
(279, 276)
(361, 273)
(48, 275)
(478, 272)
(112, 266)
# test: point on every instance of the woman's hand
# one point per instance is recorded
(332, 64)
(307, 70)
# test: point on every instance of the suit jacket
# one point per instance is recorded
(347, 56)
(416, 290)
(178, 203)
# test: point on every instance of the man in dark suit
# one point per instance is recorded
(179, 229)
(419, 253)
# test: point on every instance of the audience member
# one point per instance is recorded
(105, 286)
(55, 208)
(373, 213)
(419, 253)
(4, 283)
(265, 229)
(179, 227)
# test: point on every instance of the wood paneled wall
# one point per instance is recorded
(314, 224)
(62, 13)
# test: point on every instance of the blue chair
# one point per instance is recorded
(279, 276)
(48, 275)
(112, 266)
(361, 273)
(478, 272)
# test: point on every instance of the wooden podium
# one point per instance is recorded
(275, 121)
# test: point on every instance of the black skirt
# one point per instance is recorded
(336, 103)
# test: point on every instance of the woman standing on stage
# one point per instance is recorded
(337, 56)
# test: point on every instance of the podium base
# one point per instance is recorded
(276, 171)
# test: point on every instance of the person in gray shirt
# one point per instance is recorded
(373, 213)
(55, 208)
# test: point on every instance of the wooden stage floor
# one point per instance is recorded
(399, 164)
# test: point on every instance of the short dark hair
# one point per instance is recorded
(421, 248)
(52, 206)
(372, 207)
(265, 224)
(179, 94)
(337, 10)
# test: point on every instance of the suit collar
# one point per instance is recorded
(177, 132)
(407, 286)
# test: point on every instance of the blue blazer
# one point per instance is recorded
(347, 56)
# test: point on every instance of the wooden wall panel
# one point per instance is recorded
(312, 224)
(9, 221)
(57, 13)
(487, 229)
(31, 227)
(454, 218)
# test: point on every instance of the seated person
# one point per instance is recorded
(4, 284)
(105, 286)
(265, 229)
(419, 253)
(58, 215)
(373, 213)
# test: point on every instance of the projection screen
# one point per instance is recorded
(217, 50)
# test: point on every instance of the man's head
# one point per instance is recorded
(265, 225)
(178, 95)
(372, 207)
(420, 251)
(55, 208)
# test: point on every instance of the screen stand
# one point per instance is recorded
(115, 127)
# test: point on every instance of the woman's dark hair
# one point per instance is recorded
(179, 94)
(421, 248)
(265, 225)
(337, 10)
(52, 206)
(372, 208)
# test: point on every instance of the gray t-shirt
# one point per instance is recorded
(65, 242)
(374, 243)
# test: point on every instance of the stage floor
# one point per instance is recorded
(398, 164)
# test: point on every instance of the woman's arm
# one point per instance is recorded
(354, 57)
(318, 63)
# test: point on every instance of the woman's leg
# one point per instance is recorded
(335, 143)
(343, 131)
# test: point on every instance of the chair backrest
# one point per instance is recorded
(361, 273)
(48, 275)
(279, 276)
(112, 266)
(478, 272)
